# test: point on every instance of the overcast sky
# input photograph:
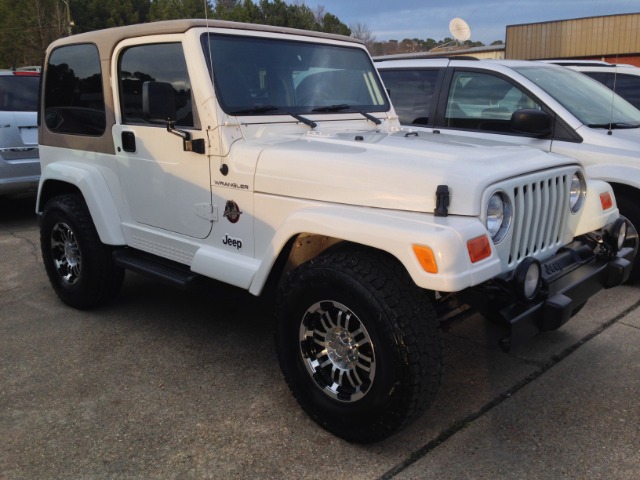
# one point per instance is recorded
(399, 19)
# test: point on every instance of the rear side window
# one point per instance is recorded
(19, 93)
(73, 98)
(411, 93)
(162, 62)
(627, 86)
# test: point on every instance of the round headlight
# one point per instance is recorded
(498, 216)
(577, 193)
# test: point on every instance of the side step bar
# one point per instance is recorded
(166, 271)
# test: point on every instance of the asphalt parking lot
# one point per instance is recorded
(171, 384)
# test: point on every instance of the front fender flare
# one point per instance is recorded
(394, 232)
(593, 217)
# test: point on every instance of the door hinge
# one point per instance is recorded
(207, 211)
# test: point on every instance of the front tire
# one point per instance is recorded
(358, 343)
(79, 266)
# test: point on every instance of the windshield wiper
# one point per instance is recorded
(304, 120)
(273, 108)
(344, 106)
(613, 125)
(332, 108)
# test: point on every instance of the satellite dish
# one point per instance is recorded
(459, 29)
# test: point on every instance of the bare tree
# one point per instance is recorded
(363, 32)
(319, 12)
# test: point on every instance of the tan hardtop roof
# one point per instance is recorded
(114, 35)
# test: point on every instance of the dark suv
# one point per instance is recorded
(19, 159)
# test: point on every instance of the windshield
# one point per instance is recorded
(261, 76)
(589, 101)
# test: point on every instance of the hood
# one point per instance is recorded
(399, 170)
(620, 138)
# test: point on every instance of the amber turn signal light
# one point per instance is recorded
(426, 258)
(479, 248)
(606, 201)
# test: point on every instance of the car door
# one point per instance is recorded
(478, 104)
(164, 186)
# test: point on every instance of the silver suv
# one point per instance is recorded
(19, 160)
(524, 103)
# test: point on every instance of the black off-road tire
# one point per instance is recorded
(359, 343)
(79, 266)
(630, 209)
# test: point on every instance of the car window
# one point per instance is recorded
(411, 93)
(627, 86)
(19, 93)
(259, 76)
(73, 91)
(481, 101)
(162, 62)
(590, 102)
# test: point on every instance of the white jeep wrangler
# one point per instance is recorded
(263, 156)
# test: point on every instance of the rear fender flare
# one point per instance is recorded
(97, 195)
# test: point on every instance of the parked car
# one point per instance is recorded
(271, 159)
(526, 103)
(622, 78)
(19, 160)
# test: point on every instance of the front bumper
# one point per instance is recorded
(569, 278)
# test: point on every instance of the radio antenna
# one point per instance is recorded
(206, 17)
(613, 96)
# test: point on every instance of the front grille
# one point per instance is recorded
(540, 210)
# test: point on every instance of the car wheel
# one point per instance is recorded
(630, 209)
(79, 266)
(359, 344)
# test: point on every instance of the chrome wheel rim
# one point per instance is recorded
(65, 253)
(337, 351)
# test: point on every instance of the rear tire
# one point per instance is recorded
(358, 343)
(79, 266)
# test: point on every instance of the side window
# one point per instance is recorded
(481, 101)
(628, 87)
(163, 62)
(411, 92)
(73, 99)
(599, 76)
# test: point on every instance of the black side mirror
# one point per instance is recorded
(159, 106)
(530, 121)
(158, 102)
